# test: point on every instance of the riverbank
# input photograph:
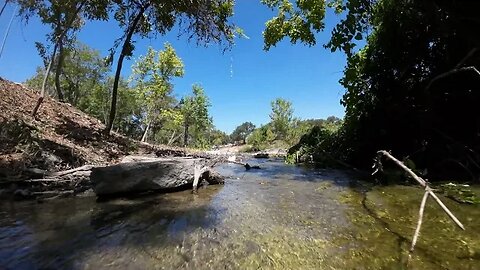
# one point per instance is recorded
(59, 138)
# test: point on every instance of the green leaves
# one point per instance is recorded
(83, 68)
(298, 22)
(281, 117)
(197, 121)
(241, 132)
(152, 75)
(356, 23)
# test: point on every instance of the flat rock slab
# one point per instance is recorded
(143, 175)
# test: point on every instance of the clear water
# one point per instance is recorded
(280, 217)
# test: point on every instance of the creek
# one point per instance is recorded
(279, 217)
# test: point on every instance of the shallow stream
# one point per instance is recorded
(280, 217)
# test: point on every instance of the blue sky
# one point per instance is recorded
(240, 83)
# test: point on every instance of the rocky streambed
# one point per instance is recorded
(280, 217)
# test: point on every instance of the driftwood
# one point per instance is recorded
(80, 170)
(428, 191)
(133, 174)
(51, 184)
(146, 174)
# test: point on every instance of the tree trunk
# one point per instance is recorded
(185, 135)
(128, 38)
(3, 7)
(64, 32)
(45, 78)
(8, 29)
(58, 71)
(149, 175)
(173, 138)
(144, 137)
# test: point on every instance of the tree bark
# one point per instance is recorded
(123, 53)
(149, 175)
(58, 71)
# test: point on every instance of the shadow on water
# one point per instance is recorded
(58, 234)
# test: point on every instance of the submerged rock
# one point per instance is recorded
(261, 155)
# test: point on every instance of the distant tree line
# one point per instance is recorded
(284, 129)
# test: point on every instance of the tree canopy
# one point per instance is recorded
(241, 132)
(152, 75)
(411, 88)
(206, 21)
(281, 117)
(196, 117)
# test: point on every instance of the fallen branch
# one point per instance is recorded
(451, 72)
(82, 168)
(47, 180)
(468, 56)
(420, 218)
(52, 193)
(146, 175)
(423, 183)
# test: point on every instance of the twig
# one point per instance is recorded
(424, 184)
(53, 192)
(8, 29)
(451, 72)
(420, 218)
(469, 54)
(82, 168)
(428, 191)
(450, 214)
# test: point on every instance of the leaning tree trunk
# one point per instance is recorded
(173, 138)
(3, 7)
(44, 83)
(58, 71)
(8, 29)
(123, 53)
(60, 38)
(144, 136)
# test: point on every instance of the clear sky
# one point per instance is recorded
(240, 83)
